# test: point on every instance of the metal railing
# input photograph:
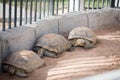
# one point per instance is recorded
(18, 12)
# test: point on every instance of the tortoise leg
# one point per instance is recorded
(41, 52)
(11, 70)
(21, 73)
(5, 68)
(50, 54)
(88, 44)
(72, 48)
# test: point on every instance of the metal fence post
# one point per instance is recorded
(112, 3)
(10, 11)
(76, 5)
(4, 8)
(21, 5)
(82, 5)
(31, 6)
(117, 3)
(51, 7)
(15, 13)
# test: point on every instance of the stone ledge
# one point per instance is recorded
(16, 39)
(116, 17)
(47, 25)
(69, 21)
(101, 18)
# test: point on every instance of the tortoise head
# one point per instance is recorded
(39, 51)
(36, 48)
(79, 42)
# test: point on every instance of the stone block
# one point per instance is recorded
(69, 21)
(116, 17)
(106, 18)
(48, 25)
(16, 39)
(100, 18)
(93, 18)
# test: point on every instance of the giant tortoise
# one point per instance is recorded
(51, 45)
(83, 36)
(22, 62)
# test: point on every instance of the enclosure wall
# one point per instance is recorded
(24, 37)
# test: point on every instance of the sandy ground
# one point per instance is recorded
(0, 26)
(6, 24)
(81, 62)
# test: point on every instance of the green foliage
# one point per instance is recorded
(2, 1)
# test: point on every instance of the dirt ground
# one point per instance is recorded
(6, 25)
(81, 62)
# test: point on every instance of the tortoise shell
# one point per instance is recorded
(83, 33)
(25, 60)
(53, 42)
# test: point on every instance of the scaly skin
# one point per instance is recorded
(42, 52)
(82, 42)
(88, 44)
(14, 71)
